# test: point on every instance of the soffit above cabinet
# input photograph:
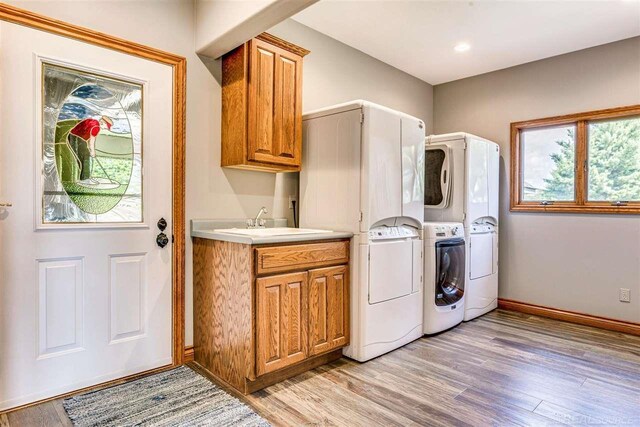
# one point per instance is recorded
(221, 26)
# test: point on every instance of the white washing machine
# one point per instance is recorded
(444, 276)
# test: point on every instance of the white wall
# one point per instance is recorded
(213, 192)
(566, 261)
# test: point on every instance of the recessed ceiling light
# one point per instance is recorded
(462, 47)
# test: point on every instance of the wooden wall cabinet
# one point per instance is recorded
(262, 105)
(267, 312)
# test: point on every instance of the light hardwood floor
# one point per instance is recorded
(505, 368)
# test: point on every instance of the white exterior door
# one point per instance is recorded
(87, 302)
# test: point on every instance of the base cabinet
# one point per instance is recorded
(265, 313)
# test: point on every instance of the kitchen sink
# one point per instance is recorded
(268, 232)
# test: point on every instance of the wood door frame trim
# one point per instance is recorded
(571, 316)
(189, 354)
(178, 63)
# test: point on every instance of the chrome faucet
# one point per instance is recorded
(257, 222)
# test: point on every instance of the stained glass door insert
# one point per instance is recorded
(92, 148)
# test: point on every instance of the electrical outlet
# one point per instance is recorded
(291, 200)
(625, 295)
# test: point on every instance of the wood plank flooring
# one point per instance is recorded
(504, 368)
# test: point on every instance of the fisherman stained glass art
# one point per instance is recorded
(92, 148)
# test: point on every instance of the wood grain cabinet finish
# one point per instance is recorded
(254, 326)
(286, 258)
(281, 321)
(328, 309)
(262, 105)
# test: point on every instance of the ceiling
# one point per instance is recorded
(419, 37)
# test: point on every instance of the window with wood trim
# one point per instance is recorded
(586, 162)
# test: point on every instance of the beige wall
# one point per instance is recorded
(572, 262)
(214, 18)
(222, 25)
(335, 73)
(213, 192)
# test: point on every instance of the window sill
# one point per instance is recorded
(631, 209)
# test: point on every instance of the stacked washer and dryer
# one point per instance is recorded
(363, 171)
(461, 232)
(369, 170)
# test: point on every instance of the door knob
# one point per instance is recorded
(5, 205)
(162, 240)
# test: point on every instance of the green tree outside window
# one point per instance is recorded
(613, 163)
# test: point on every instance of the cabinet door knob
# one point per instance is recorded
(5, 204)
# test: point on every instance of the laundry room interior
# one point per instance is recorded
(319, 212)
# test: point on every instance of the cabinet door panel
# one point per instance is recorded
(262, 98)
(287, 113)
(272, 307)
(328, 309)
(275, 105)
(296, 322)
(281, 321)
(319, 336)
(336, 297)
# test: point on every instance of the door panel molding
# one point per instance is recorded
(127, 286)
(60, 306)
(178, 65)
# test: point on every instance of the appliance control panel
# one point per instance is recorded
(440, 230)
(482, 228)
(395, 232)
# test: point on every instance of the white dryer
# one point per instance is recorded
(444, 276)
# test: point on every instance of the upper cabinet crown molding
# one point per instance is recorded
(283, 44)
(262, 105)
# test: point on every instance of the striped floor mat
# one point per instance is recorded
(179, 397)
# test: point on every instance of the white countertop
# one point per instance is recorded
(211, 229)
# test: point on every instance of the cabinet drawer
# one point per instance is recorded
(285, 258)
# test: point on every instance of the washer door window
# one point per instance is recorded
(449, 271)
